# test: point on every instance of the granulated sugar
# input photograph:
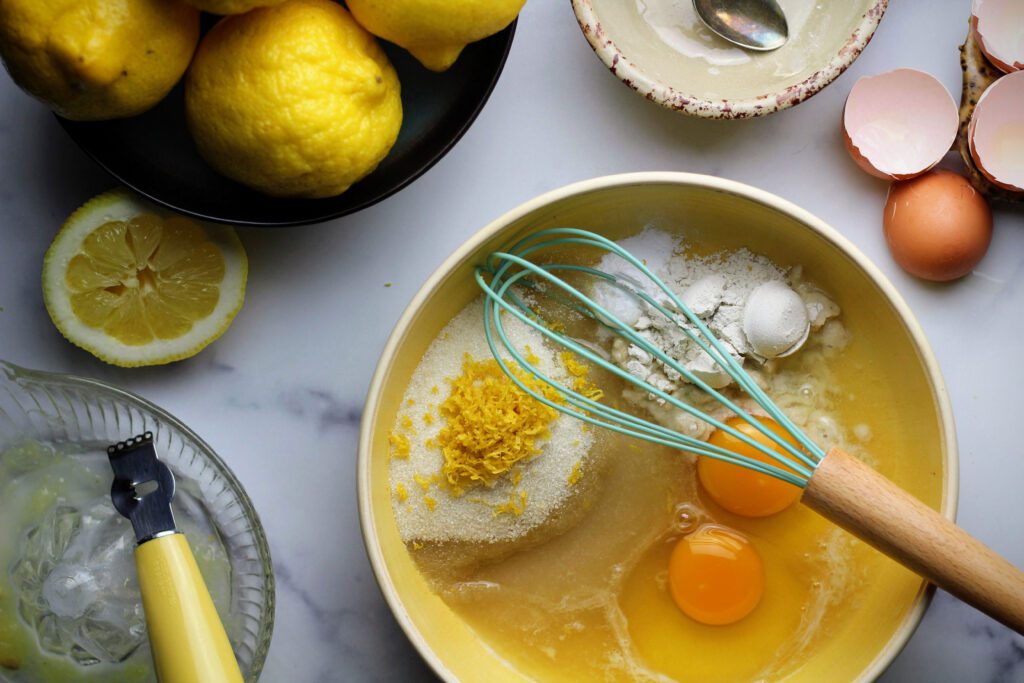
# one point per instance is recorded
(517, 504)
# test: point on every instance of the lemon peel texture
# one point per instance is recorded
(294, 100)
(230, 6)
(435, 31)
(97, 59)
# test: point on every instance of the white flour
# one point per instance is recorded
(718, 289)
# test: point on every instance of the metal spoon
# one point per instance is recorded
(753, 24)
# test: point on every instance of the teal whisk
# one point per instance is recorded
(835, 484)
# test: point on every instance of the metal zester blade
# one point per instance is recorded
(143, 487)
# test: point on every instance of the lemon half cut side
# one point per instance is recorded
(135, 285)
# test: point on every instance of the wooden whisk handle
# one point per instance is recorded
(862, 501)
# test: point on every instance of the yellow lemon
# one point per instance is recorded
(230, 6)
(97, 59)
(137, 285)
(435, 31)
(294, 100)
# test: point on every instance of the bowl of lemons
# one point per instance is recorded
(261, 112)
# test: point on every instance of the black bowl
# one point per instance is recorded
(154, 155)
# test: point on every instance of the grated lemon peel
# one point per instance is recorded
(580, 372)
(574, 476)
(399, 445)
(490, 424)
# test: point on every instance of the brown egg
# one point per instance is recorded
(937, 225)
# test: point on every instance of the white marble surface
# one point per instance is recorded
(280, 395)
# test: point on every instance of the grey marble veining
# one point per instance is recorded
(280, 395)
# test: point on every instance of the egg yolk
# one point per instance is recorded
(738, 489)
(715, 575)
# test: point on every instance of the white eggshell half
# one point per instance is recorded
(996, 132)
(900, 123)
(999, 27)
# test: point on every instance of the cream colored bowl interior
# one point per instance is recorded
(661, 49)
(723, 214)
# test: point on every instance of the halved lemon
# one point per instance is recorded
(134, 284)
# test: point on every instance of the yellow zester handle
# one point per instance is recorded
(187, 638)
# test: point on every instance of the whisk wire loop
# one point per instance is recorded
(798, 463)
(643, 429)
(632, 337)
(586, 408)
(735, 370)
(721, 356)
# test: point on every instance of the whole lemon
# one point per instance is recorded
(230, 6)
(294, 100)
(435, 31)
(97, 59)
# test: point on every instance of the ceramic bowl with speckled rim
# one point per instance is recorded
(660, 49)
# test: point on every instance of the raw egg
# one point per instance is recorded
(715, 575)
(742, 491)
(938, 226)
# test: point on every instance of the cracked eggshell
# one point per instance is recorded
(899, 124)
(999, 27)
(996, 132)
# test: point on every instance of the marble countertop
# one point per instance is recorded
(280, 395)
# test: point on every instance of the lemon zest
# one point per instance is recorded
(430, 503)
(490, 424)
(401, 492)
(515, 505)
(530, 356)
(576, 473)
(399, 445)
(580, 372)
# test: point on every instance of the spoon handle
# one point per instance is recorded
(852, 495)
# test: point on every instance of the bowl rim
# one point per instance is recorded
(14, 372)
(950, 491)
(760, 105)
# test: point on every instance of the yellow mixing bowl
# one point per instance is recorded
(727, 215)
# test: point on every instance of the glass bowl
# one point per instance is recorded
(45, 416)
